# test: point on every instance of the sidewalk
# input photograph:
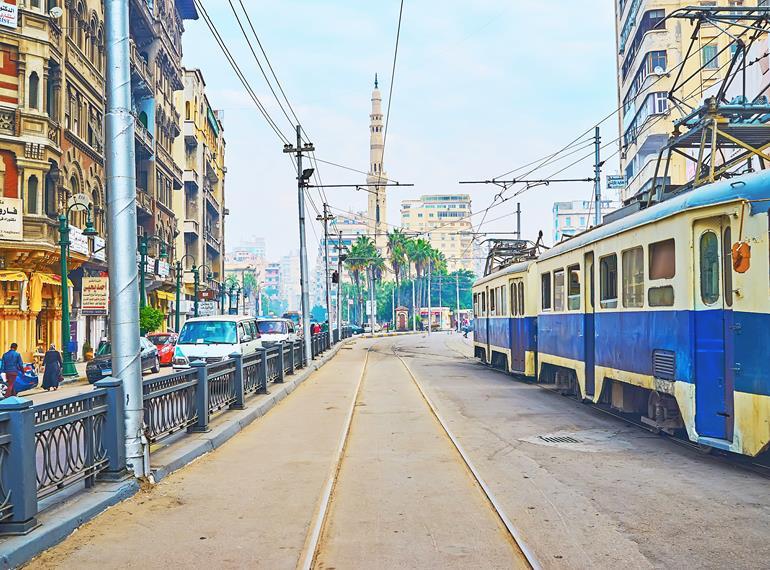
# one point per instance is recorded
(69, 387)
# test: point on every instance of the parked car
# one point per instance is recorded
(368, 327)
(165, 343)
(212, 339)
(356, 329)
(276, 330)
(101, 365)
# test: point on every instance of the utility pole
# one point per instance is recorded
(120, 162)
(371, 300)
(457, 301)
(414, 309)
(430, 307)
(339, 287)
(302, 177)
(518, 220)
(325, 218)
(597, 180)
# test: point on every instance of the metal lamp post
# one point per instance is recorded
(68, 365)
(195, 270)
(144, 243)
(177, 307)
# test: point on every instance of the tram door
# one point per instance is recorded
(487, 319)
(589, 328)
(713, 317)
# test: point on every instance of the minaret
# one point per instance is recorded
(377, 215)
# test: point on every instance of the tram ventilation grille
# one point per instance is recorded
(559, 439)
(663, 364)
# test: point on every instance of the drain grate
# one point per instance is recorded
(559, 439)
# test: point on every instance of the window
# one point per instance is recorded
(514, 304)
(727, 266)
(34, 90)
(582, 221)
(709, 268)
(608, 281)
(476, 303)
(573, 288)
(661, 296)
(32, 195)
(558, 290)
(662, 259)
(709, 58)
(492, 302)
(522, 309)
(568, 222)
(633, 277)
(545, 288)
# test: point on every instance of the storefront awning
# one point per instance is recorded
(11, 275)
(50, 279)
(165, 296)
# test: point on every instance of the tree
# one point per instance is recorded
(362, 254)
(150, 319)
(397, 241)
(318, 314)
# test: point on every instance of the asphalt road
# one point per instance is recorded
(603, 495)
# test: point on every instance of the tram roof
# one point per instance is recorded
(520, 267)
(755, 188)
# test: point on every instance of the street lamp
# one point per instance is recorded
(144, 242)
(68, 365)
(195, 270)
(179, 263)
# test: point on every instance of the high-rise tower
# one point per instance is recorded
(377, 216)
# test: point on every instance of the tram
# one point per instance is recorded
(662, 313)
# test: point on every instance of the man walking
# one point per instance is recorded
(12, 365)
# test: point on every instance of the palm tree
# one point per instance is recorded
(362, 252)
(418, 252)
(397, 256)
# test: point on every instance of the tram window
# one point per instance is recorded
(727, 265)
(475, 303)
(633, 277)
(545, 289)
(709, 268)
(573, 288)
(608, 281)
(492, 303)
(662, 259)
(501, 304)
(483, 303)
(661, 296)
(558, 290)
(521, 298)
(514, 306)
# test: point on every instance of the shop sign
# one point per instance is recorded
(164, 270)
(95, 296)
(9, 14)
(11, 216)
(78, 242)
(100, 248)
(616, 182)
(206, 308)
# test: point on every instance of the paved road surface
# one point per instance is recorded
(615, 497)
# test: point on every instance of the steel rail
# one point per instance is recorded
(493, 502)
(313, 542)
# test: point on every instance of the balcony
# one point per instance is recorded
(212, 202)
(212, 241)
(209, 160)
(141, 13)
(192, 177)
(144, 202)
(143, 138)
(140, 71)
(189, 134)
(171, 165)
(192, 227)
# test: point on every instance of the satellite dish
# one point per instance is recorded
(658, 70)
(56, 12)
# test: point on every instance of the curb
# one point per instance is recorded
(58, 522)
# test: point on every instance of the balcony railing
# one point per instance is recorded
(191, 227)
(140, 68)
(168, 162)
(145, 201)
(143, 136)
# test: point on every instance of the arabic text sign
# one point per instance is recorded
(11, 218)
(100, 249)
(206, 308)
(95, 296)
(9, 14)
(616, 181)
(78, 242)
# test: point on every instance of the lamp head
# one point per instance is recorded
(307, 173)
(90, 230)
(163, 251)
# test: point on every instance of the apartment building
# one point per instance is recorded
(571, 218)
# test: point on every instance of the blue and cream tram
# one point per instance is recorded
(663, 313)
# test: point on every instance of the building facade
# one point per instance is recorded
(651, 52)
(201, 205)
(444, 220)
(571, 218)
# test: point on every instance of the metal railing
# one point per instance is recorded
(81, 439)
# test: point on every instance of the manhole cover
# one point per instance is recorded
(559, 439)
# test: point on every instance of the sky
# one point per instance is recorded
(480, 88)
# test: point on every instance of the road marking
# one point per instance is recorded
(515, 535)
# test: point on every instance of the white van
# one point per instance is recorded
(276, 330)
(212, 339)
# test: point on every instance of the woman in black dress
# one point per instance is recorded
(52, 364)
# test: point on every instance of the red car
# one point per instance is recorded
(165, 343)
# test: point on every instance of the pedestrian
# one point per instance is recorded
(52, 365)
(12, 365)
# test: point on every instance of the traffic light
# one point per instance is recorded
(335, 277)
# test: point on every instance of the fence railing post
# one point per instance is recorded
(201, 398)
(262, 371)
(240, 397)
(291, 357)
(113, 430)
(19, 472)
(279, 380)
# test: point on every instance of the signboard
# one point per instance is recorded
(616, 182)
(100, 249)
(206, 308)
(11, 216)
(9, 14)
(81, 199)
(369, 305)
(164, 269)
(78, 242)
(95, 296)
(207, 295)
